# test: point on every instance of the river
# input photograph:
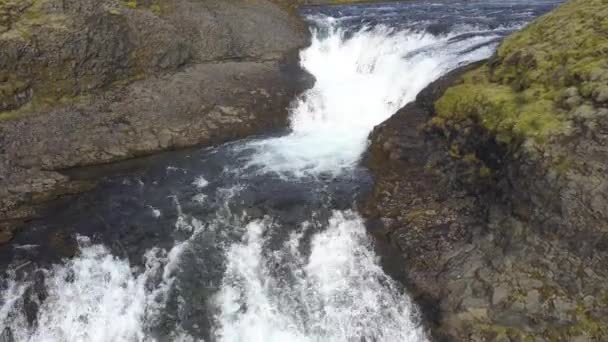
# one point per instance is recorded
(259, 239)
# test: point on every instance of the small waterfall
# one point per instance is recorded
(362, 78)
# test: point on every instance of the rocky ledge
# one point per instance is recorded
(85, 82)
(492, 186)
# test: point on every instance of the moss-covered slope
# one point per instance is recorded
(542, 79)
(534, 121)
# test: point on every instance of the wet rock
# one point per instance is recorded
(39, 286)
(7, 335)
(30, 307)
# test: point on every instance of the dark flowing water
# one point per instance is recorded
(257, 240)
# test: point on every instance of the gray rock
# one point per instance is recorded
(500, 293)
(532, 301)
(574, 101)
(571, 92)
(541, 251)
(123, 82)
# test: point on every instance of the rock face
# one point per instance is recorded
(497, 200)
(86, 81)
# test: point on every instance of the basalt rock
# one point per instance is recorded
(415, 208)
(496, 198)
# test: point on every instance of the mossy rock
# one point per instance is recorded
(531, 91)
(158, 7)
(18, 17)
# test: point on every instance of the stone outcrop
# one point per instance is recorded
(492, 186)
(87, 82)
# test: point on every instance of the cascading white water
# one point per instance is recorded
(337, 291)
(95, 297)
(340, 292)
(360, 82)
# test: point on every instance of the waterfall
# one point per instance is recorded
(267, 246)
(362, 78)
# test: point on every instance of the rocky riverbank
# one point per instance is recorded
(90, 82)
(493, 187)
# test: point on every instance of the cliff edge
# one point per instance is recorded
(86, 82)
(493, 186)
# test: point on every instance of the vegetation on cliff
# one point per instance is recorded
(528, 133)
(542, 81)
(46, 54)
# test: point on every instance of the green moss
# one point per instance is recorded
(518, 295)
(41, 104)
(470, 158)
(454, 151)
(12, 87)
(604, 298)
(548, 292)
(517, 98)
(508, 114)
(19, 17)
(563, 165)
(418, 215)
(496, 332)
(157, 7)
(485, 172)
(588, 325)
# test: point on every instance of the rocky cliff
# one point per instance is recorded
(493, 186)
(86, 82)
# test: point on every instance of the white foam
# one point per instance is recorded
(155, 212)
(360, 82)
(200, 182)
(339, 293)
(95, 297)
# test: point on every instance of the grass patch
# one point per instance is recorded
(520, 96)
